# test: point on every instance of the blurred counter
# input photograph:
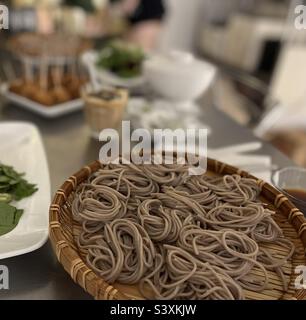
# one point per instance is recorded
(38, 275)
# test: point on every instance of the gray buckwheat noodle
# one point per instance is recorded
(178, 236)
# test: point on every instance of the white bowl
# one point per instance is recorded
(178, 76)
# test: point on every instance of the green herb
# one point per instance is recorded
(9, 217)
(13, 183)
(5, 197)
(123, 59)
(12, 187)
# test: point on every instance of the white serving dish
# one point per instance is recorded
(54, 111)
(178, 76)
(21, 147)
(100, 76)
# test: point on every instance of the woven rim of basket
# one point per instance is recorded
(67, 253)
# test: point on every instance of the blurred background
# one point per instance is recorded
(258, 52)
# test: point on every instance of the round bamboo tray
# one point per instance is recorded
(62, 229)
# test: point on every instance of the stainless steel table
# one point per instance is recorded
(38, 275)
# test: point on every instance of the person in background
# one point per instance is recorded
(145, 18)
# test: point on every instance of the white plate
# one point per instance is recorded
(21, 147)
(100, 76)
(47, 112)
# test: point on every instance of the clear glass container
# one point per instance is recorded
(291, 181)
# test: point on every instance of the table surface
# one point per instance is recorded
(38, 275)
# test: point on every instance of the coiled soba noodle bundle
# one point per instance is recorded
(177, 236)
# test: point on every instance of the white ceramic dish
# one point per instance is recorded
(100, 76)
(47, 112)
(21, 147)
(178, 76)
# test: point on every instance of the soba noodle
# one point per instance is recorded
(177, 236)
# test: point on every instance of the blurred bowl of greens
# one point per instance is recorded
(118, 63)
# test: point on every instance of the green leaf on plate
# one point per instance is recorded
(4, 179)
(23, 190)
(13, 183)
(9, 217)
(12, 187)
(5, 197)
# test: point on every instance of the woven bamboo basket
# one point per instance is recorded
(62, 231)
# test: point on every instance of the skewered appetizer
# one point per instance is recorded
(66, 90)
(51, 74)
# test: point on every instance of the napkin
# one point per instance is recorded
(258, 165)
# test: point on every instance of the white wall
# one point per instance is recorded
(186, 17)
(180, 24)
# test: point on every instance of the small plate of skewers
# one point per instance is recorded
(50, 81)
